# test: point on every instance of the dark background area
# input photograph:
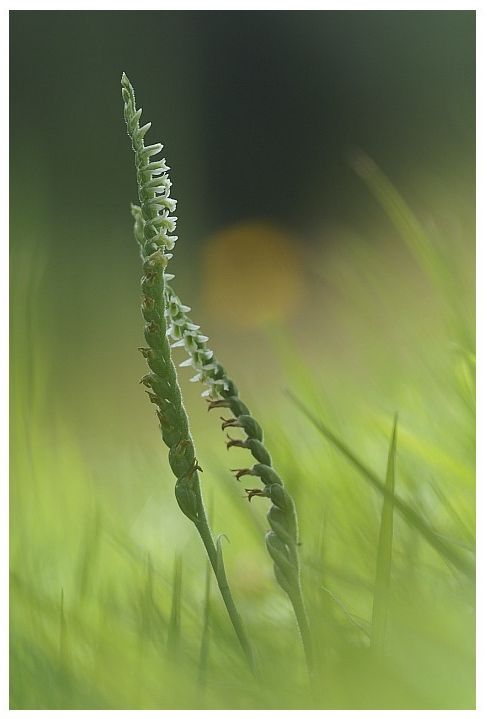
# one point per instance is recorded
(257, 109)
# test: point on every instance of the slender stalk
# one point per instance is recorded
(204, 530)
(384, 551)
(153, 222)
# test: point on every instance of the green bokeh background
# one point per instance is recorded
(260, 113)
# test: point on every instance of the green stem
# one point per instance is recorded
(205, 533)
(303, 626)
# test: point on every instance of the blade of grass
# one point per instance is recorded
(63, 638)
(435, 265)
(88, 558)
(402, 217)
(151, 620)
(414, 519)
(384, 550)
(345, 610)
(436, 457)
(205, 637)
(174, 629)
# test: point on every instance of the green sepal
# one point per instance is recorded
(267, 474)
(187, 500)
(280, 554)
(281, 497)
(250, 426)
(284, 524)
(235, 404)
(148, 306)
(182, 459)
(237, 407)
(155, 360)
(258, 451)
(138, 224)
(170, 434)
(161, 388)
(231, 390)
(155, 259)
(154, 335)
(283, 581)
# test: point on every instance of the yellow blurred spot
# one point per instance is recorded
(252, 274)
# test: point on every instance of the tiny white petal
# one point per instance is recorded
(191, 346)
(205, 354)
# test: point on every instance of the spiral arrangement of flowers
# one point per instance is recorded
(282, 540)
(166, 319)
(153, 225)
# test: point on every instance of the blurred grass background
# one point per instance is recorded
(303, 283)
